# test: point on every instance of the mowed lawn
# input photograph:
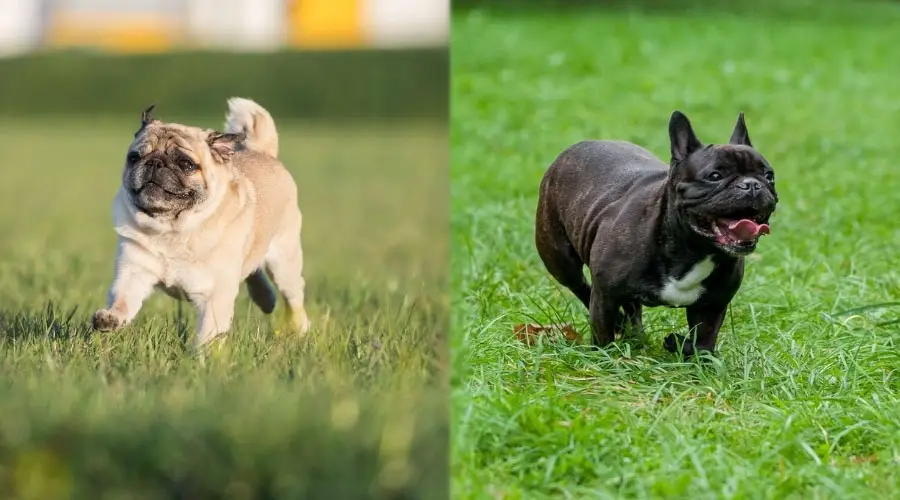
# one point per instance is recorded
(355, 408)
(802, 401)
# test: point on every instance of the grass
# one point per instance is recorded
(357, 408)
(802, 401)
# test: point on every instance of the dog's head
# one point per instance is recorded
(172, 168)
(723, 192)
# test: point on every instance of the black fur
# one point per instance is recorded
(633, 221)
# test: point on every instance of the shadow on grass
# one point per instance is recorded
(55, 323)
(52, 324)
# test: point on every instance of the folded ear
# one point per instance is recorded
(223, 146)
(740, 134)
(146, 118)
(681, 134)
(147, 115)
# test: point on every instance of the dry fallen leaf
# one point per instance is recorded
(863, 460)
(529, 333)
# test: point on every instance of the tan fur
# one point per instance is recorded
(246, 226)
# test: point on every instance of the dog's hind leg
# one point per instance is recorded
(559, 256)
(284, 262)
(286, 271)
(261, 291)
(569, 271)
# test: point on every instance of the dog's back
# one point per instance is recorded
(275, 190)
(592, 183)
(607, 166)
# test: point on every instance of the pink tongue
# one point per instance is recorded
(746, 229)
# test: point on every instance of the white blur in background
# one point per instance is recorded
(236, 25)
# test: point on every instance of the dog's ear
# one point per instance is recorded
(740, 134)
(223, 146)
(147, 115)
(681, 134)
(146, 118)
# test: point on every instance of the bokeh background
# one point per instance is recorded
(358, 90)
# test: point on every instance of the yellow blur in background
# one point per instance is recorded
(245, 25)
(325, 23)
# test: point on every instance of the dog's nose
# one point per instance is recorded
(749, 184)
(153, 165)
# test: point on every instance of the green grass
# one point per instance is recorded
(355, 409)
(802, 402)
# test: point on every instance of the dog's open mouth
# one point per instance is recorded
(736, 233)
(152, 185)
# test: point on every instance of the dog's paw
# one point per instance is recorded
(105, 320)
(675, 343)
(304, 325)
(210, 345)
(297, 320)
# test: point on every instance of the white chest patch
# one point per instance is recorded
(686, 291)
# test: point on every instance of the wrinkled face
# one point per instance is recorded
(169, 168)
(726, 193)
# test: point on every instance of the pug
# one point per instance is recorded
(653, 234)
(200, 211)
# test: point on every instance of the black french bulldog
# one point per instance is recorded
(655, 235)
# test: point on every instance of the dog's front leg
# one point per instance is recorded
(130, 287)
(215, 311)
(704, 323)
(604, 315)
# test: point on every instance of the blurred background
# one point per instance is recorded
(158, 25)
(321, 58)
(357, 409)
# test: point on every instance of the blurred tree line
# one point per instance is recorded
(331, 85)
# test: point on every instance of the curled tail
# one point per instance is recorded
(245, 115)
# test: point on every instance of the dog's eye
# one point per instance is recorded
(133, 157)
(187, 165)
(713, 176)
(770, 176)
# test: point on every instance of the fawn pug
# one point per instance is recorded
(200, 211)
